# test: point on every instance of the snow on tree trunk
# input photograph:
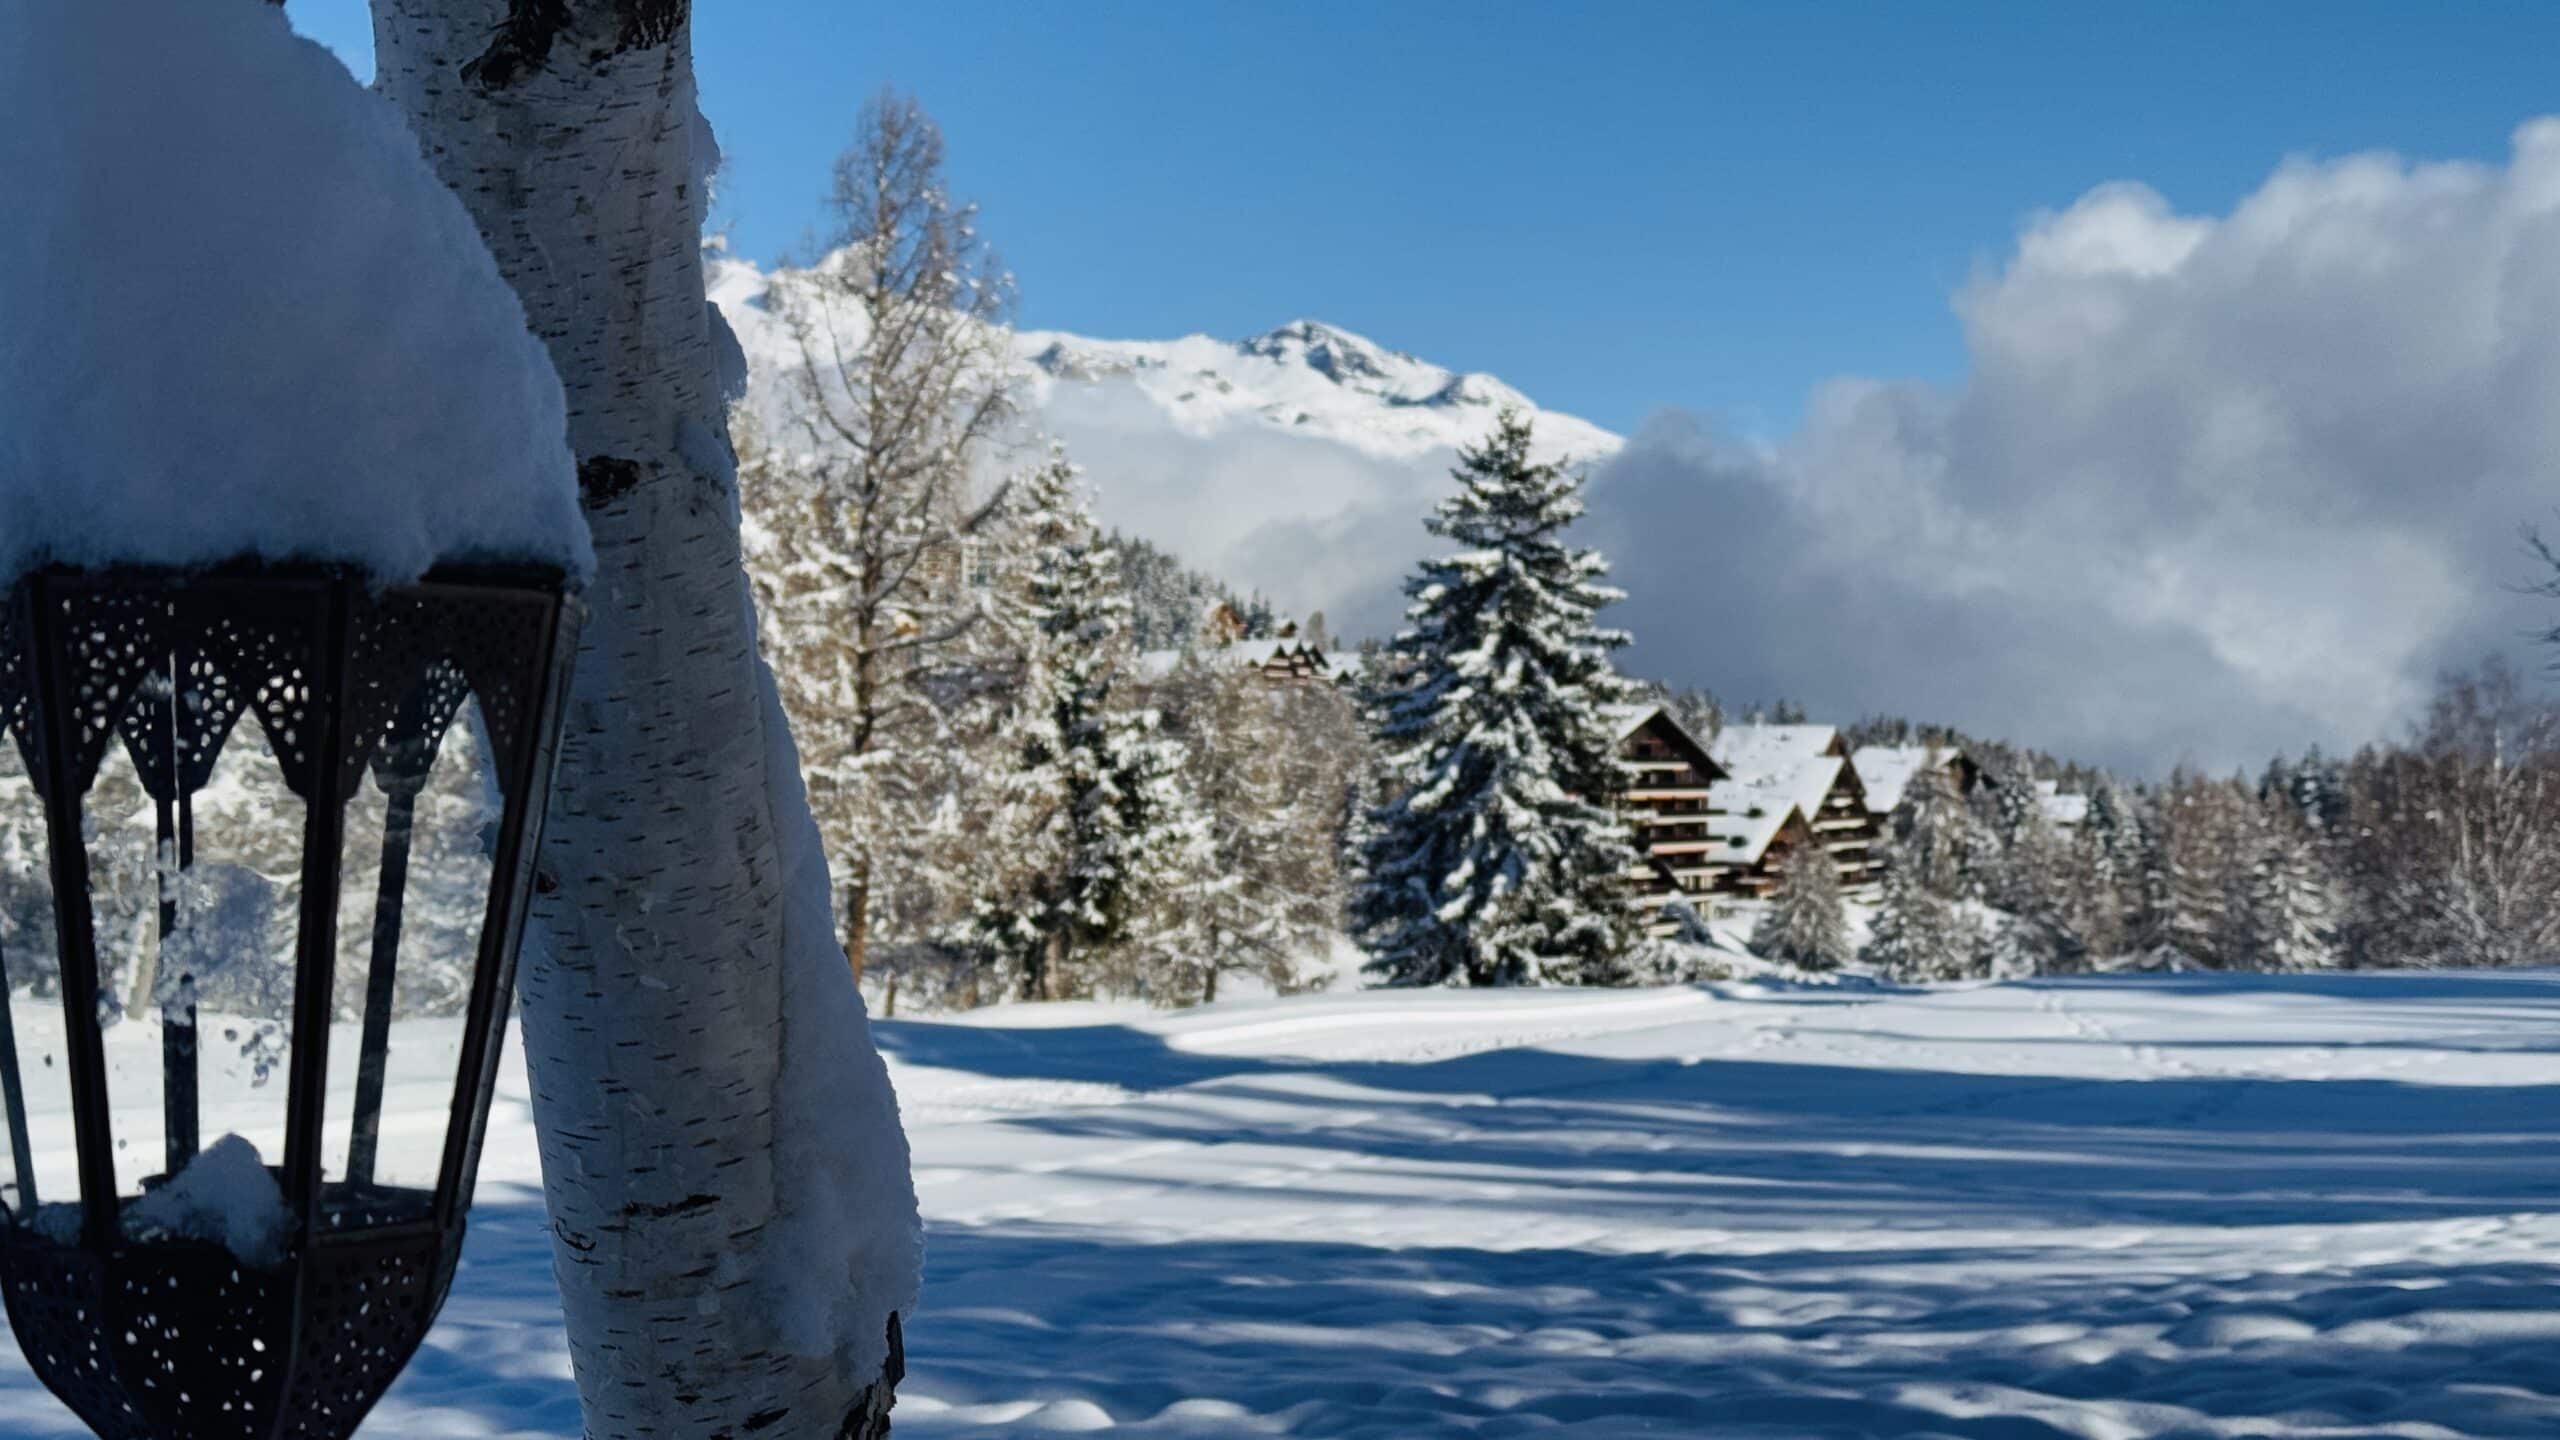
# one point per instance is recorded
(729, 1187)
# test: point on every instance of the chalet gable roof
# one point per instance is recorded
(1888, 770)
(1242, 654)
(1628, 720)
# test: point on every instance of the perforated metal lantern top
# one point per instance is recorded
(245, 1105)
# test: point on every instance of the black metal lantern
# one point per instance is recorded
(206, 756)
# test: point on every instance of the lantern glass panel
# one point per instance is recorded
(42, 1166)
(410, 917)
(195, 900)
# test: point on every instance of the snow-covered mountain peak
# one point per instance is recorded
(1299, 462)
(1306, 377)
(1336, 354)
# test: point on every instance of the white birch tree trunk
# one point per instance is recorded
(682, 997)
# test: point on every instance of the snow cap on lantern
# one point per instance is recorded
(241, 317)
(288, 526)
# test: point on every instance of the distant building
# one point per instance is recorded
(1274, 660)
(1756, 839)
(2062, 810)
(1669, 803)
(1806, 769)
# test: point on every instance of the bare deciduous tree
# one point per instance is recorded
(904, 382)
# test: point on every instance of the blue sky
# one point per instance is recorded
(1615, 207)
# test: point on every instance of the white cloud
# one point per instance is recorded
(2212, 485)
(1314, 524)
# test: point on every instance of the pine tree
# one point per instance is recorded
(1090, 808)
(2285, 914)
(1933, 831)
(2180, 908)
(1921, 931)
(1805, 924)
(1920, 934)
(1500, 859)
(2114, 844)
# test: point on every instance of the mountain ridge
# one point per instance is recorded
(1298, 463)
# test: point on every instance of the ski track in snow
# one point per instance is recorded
(2106, 1208)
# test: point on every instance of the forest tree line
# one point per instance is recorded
(1016, 805)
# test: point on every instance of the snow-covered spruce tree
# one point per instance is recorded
(727, 1180)
(2284, 914)
(903, 381)
(1090, 804)
(2036, 886)
(1921, 930)
(2114, 847)
(1805, 925)
(1500, 859)
(1919, 934)
(2198, 848)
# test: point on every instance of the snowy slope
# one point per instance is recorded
(1305, 378)
(2087, 1210)
(1299, 462)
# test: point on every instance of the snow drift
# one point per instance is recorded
(240, 316)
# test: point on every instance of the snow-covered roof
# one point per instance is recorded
(1625, 720)
(1888, 770)
(1745, 819)
(1748, 750)
(1263, 652)
(1775, 770)
(1244, 654)
(2060, 809)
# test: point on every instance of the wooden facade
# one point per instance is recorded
(1282, 660)
(1669, 804)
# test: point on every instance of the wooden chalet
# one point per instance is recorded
(1282, 661)
(1807, 770)
(1669, 804)
(1757, 838)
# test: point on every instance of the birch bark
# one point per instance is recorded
(683, 901)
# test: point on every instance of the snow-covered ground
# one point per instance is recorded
(2144, 1206)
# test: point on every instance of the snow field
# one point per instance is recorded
(2174, 1206)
